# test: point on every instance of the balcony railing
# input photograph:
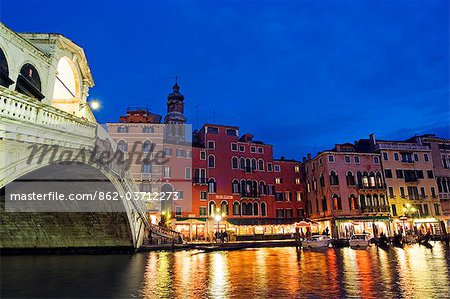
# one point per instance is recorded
(199, 180)
(146, 176)
(21, 108)
(361, 186)
(375, 209)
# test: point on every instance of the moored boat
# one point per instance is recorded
(319, 241)
(359, 240)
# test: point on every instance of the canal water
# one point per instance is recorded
(413, 272)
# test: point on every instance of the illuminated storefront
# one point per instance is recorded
(192, 229)
(346, 227)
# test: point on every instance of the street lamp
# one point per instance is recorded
(218, 217)
(94, 104)
(409, 210)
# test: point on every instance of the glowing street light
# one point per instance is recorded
(94, 104)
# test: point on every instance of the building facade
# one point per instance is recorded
(255, 194)
(440, 152)
(411, 185)
(227, 182)
(346, 193)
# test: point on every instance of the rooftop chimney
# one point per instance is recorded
(372, 139)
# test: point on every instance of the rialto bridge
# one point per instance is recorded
(44, 83)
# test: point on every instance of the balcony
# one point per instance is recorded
(146, 176)
(375, 209)
(200, 181)
(361, 186)
(250, 194)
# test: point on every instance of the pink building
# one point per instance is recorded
(346, 192)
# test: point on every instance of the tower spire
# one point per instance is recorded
(175, 106)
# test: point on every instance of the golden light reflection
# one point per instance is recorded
(218, 284)
(415, 271)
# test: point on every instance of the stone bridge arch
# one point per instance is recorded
(68, 224)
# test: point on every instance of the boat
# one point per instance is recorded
(383, 242)
(359, 240)
(318, 241)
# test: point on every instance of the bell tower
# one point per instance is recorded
(175, 107)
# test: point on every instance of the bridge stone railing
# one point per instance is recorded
(31, 114)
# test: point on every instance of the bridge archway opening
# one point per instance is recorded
(89, 223)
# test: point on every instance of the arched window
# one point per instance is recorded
(243, 188)
(236, 209)
(260, 165)
(255, 209)
(365, 180)
(4, 71)
(211, 161)
(324, 204)
(254, 188)
(235, 186)
(29, 82)
(352, 202)
(334, 180)
(248, 165)
(383, 200)
(263, 209)
(337, 205)
(369, 200)
(244, 208)
(253, 164)
(322, 180)
(249, 209)
(379, 180)
(362, 201)
(262, 188)
(66, 90)
(242, 163)
(212, 185)
(234, 163)
(146, 146)
(248, 188)
(350, 178)
(224, 207)
(359, 177)
(315, 184)
(212, 208)
(372, 183)
(122, 144)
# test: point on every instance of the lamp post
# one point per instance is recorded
(218, 217)
(409, 210)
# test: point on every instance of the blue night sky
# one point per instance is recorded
(302, 75)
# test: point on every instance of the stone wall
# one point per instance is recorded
(63, 230)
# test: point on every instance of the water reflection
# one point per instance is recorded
(257, 273)
(285, 273)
